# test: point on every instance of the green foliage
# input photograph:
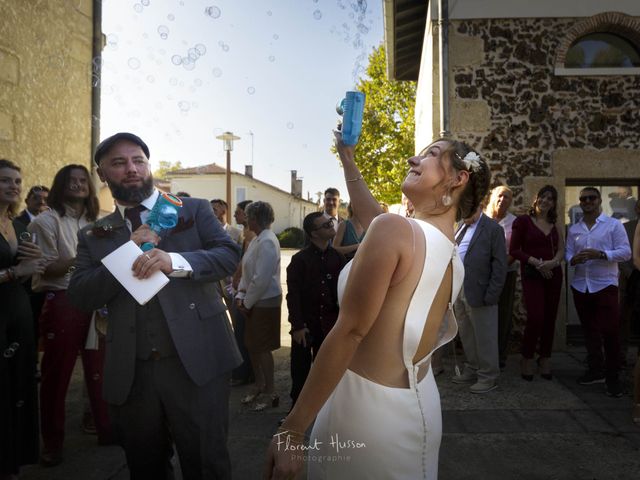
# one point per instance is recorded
(291, 237)
(388, 129)
(164, 167)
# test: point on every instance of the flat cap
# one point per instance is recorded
(109, 142)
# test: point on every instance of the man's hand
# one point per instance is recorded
(150, 262)
(240, 305)
(585, 255)
(300, 336)
(144, 234)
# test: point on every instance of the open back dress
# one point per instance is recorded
(373, 431)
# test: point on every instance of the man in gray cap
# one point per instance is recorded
(168, 362)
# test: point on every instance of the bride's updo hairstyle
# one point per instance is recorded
(463, 157)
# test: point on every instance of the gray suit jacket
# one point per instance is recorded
(485, 264)
(195, 314)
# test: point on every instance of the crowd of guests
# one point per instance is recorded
(39, 252)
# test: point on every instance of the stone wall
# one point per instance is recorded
(45, 85)
(506, 100)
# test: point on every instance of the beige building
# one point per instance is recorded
(209, 181)
(547, 91)
(46, 51)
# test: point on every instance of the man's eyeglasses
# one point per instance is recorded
(588, 198)
(327, 224)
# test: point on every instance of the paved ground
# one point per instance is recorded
(523, 430)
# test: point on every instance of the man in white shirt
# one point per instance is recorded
(220, 208)
(331, 204)
(595, 246)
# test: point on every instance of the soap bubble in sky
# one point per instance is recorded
(317, 14)
(212, 11)
(133, 63)
(163, 30)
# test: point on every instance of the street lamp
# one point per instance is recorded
(227, 145)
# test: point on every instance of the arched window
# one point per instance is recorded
(602, 50)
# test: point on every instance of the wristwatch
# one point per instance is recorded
(603, 256)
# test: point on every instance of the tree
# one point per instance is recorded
(388, 129)
(164, 167)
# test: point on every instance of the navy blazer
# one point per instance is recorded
(195, 314)
(485, 264)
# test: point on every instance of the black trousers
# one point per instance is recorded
(301, 360)
(165, 406)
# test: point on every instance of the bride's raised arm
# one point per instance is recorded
(364, 204)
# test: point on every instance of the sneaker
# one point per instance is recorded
(482, 387)
(589, 378)
(614, 389)
(464, 377)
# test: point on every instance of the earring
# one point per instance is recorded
(446, 200)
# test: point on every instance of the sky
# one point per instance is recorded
(180, 72)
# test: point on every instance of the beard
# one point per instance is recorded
(131, 194)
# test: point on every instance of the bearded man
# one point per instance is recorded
(168, 362)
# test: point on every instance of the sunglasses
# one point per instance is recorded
(327, 224)
(588, 198)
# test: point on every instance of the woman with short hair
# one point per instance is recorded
(259, 297)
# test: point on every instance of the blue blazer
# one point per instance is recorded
(192, 306)
(485, 264)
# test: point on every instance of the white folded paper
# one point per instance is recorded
(119, 263)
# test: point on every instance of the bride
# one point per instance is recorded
(371, 390)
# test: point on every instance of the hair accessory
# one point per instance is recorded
(447, 200)
(471, 160)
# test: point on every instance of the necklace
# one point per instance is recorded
(5, 227)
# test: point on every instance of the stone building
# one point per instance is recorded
(547, 91)
(46, 52)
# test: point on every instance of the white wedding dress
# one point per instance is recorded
(373, 431)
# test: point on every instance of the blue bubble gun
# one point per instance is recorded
(163, 216)
(351, 108)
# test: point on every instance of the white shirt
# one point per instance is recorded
(608, 235)
(260, 269)
(507, 224)
(468, 235)
(180, 266)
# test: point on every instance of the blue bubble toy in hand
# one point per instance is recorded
(163, 216)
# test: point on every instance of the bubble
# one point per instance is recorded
(212, 11)
(189, 65)
(112, 40)
(138, 8)
(251, 90)
(276, 36)
(272, 58)
(95, 80)
(201, 49)
(269, 12)
(184, 106)
(361, 6)
(173, 81)
(133, 63)
(363, 29)
(317, 14)
(145, 2)
(197, 82)
(171, 17)
(225, 47)
(150, 79)
(290, 125)
(193, 54)
(163, 30)
(176, 60)
(217, 72)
